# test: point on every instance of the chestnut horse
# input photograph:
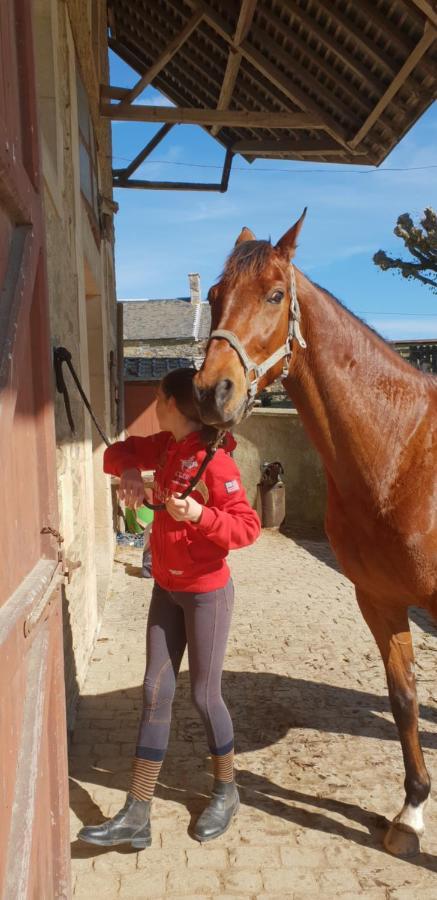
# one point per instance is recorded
(373, 420)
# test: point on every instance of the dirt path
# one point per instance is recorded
(318, 760)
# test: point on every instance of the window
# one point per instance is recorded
(87, 154)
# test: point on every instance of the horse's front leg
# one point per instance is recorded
(391, 630)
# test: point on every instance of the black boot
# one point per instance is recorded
(217, 816)
(129, 826)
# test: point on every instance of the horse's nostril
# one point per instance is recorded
(223, 391)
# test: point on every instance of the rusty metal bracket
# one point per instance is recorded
(41, 611)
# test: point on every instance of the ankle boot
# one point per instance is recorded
(131, 825)
(217, 816)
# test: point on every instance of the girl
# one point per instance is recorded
(191, 602)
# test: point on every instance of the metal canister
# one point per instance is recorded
(272, 491)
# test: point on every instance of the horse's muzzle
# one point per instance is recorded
(215, 404)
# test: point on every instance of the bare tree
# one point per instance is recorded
(421, 242)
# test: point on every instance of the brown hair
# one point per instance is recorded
(179, 384)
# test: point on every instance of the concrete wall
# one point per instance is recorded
(70, 39)
(269, 435)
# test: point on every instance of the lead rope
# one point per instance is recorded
(62, 355)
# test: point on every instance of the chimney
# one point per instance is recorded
(194, 279)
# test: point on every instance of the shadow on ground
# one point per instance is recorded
(265, 708)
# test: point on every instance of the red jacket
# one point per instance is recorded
(188, 556)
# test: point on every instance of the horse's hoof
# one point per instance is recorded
(401, 840)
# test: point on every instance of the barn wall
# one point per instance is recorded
(71, 44)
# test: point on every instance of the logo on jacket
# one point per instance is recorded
(189, 463)
(231, 486)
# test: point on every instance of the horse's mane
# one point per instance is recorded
(248, 258)
(354, 315)
(429, 376)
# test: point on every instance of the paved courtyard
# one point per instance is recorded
(318, 761)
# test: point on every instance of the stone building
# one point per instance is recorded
(176, 327)
(71, 59)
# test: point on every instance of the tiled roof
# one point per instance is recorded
(137, 368)
(152, 320)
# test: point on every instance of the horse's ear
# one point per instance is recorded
(286, 246)
(245, 235)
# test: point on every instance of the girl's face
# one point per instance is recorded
(165, 411)
(169, 417)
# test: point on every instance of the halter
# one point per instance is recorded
(260, 369)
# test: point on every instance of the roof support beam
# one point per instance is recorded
(303, 146)
(178, 115)
(245, 17)
(429, 10)
(220, 187)
(164, 58)
(420, 49)
(124, 174)
(271, 72)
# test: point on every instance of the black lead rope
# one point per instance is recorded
(62, 355)
(210, 451)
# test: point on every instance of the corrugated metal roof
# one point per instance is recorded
(363, 72)
(158, 320)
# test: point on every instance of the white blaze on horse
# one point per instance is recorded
(373, 420)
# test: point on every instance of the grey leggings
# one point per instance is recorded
(201, 621)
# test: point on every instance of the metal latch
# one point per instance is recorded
(68, 566)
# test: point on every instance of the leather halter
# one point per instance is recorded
(285, 351)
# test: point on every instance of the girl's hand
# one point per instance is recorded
(131, 488)
(187, 510)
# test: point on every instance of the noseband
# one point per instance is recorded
(257, 370)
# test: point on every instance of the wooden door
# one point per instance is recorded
(34, 836)
(140, 408)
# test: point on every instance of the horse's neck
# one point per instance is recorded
(358, 400)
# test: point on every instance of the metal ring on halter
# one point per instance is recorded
(260, 369)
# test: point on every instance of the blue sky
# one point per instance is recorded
(163, 235)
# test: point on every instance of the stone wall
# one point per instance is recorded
(150, 350)
(269, 435)
(70, 39)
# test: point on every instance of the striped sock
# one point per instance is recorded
(223, 766)
(145, 773)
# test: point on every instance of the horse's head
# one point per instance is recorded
(251, 316)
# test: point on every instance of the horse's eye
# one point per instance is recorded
(276, 297)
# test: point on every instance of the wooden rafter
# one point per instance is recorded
(247, 11)
(271, 72)
(348, 59)
(202, 62)
(429, 9)
(164, 57)
(300, 146)
(178, 115)
(381, 59)
(305, 76)
(421, 47)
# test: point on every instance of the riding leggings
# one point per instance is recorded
(200, 621)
